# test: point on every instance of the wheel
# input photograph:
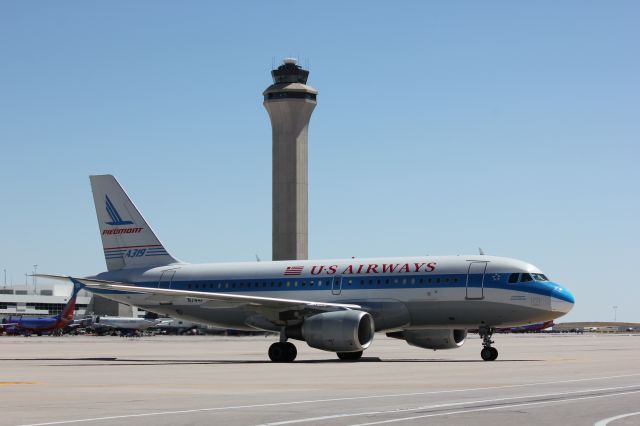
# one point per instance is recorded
(277, 352)
(349, 356)
(282, 352)
(494, 354)
(292, 352)
(487, 354)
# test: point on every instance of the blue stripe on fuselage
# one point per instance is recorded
(545, 288)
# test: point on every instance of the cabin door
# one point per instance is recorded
(166, 278)
(475, 280)
(336, 285)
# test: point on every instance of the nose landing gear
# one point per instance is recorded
(488, 352)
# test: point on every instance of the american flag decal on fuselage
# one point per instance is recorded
(293, 270)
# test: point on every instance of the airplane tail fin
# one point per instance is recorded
(70, 307)
(127, 239)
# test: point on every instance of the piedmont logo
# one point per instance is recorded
(116, 220)
(122, 231)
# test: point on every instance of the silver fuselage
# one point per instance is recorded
(401, 293)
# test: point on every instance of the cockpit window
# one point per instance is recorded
(513, 278)
(525, 278)
(540, 277)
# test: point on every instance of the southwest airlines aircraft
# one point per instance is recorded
(334, 305)
(29, 325)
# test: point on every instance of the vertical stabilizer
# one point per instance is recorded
(70, 307)
(127, 239)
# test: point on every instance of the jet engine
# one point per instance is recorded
(432, 339)
(340, 331)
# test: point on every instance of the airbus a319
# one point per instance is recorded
(334, 305)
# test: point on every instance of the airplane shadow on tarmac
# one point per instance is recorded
(98, 361)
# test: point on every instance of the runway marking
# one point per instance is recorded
(18, 383)
(317, 401)
(605, 422)
(476, 410)
(435, 406)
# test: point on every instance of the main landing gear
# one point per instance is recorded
(283, 352)
(488, 352)
(349, 356)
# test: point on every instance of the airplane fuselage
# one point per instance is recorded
(407, 293)
(34, 325)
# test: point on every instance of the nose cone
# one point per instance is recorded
(562, 300)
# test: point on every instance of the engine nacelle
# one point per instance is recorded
(340, 331)
(432, 339)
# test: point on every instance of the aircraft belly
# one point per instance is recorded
(497, 308)
(391, 308)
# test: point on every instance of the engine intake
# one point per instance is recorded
(340, 331)
(432, 339)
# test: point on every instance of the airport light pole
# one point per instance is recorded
(35, 271)
(615, 313)
(5, 278)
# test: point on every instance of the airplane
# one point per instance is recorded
(533, 327)
(103, 324)
(528, 328)
(336, 305)
(36, 325)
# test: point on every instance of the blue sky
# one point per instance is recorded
(440, 127)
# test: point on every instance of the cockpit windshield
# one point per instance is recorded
(524, 278)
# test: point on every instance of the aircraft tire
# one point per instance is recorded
(282, 352)
(494, 353)
(487, 354)
(292, 351)
(349, 356)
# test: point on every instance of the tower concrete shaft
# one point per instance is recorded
(290, 102)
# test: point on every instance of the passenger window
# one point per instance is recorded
(513, 278)
(525, 278)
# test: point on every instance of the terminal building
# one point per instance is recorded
(49, 300)
(46, 300)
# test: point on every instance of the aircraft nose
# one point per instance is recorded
(561, 300)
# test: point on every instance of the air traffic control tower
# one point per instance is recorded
(290, 102)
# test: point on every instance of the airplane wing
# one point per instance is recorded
(257, 301)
